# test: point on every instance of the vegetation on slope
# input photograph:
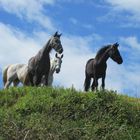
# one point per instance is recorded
(65, 114)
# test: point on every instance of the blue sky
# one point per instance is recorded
(86, 25)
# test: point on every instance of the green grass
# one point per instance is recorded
(66, 114)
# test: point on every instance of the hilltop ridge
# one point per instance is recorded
(66, 114)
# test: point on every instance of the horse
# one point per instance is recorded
(39, 65)
(96, 67)
(17, 73)
(55, 67)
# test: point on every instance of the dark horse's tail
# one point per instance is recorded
(87, 76)
(87, 83)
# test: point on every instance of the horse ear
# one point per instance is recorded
(56, 34)
(56, 55)
(59, 35)
(62, 56)
(116, 44)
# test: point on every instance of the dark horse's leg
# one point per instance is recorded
(45, 81)
(31, 78)
(93, 85)
(87, 83)
(37, 79)
(103, 82)
(96, 83)
(45, 78)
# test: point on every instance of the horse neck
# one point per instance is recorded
(52, 67)
(103, 58)
(46, 49)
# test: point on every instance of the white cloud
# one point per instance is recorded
(73, 20)
(31, 10)
(129, 5)
(123, 78)
(78, 23)
(131, 70)
(15, 46)
(132, 41)
(132, 7)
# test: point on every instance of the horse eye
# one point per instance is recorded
(57, 41)
(113, 50)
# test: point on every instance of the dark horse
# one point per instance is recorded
(39, 65)
(96, 67)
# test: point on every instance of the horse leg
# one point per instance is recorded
(50, 80)
(10, 79)
(87, 83)
(26, 80)
(46, 81)
(15, 82)
(37, 79)
(93, 85)
(7, 84)
(103, 82)
(96, 83)
(30, 79)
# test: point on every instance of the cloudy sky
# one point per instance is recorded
(87, 25)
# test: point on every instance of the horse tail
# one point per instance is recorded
(5, 74)
(87, 83)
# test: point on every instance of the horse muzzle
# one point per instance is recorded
(57, 70)
(59, 49)
(120, 61)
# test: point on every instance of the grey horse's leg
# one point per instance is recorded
(16, 82)
(26, 80)
(7, 84)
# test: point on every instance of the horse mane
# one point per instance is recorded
(101, 51)
(46, 45)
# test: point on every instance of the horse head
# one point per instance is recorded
(115, 54)
(57, 62)
(55, 42)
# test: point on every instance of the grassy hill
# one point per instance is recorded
(65, 114)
